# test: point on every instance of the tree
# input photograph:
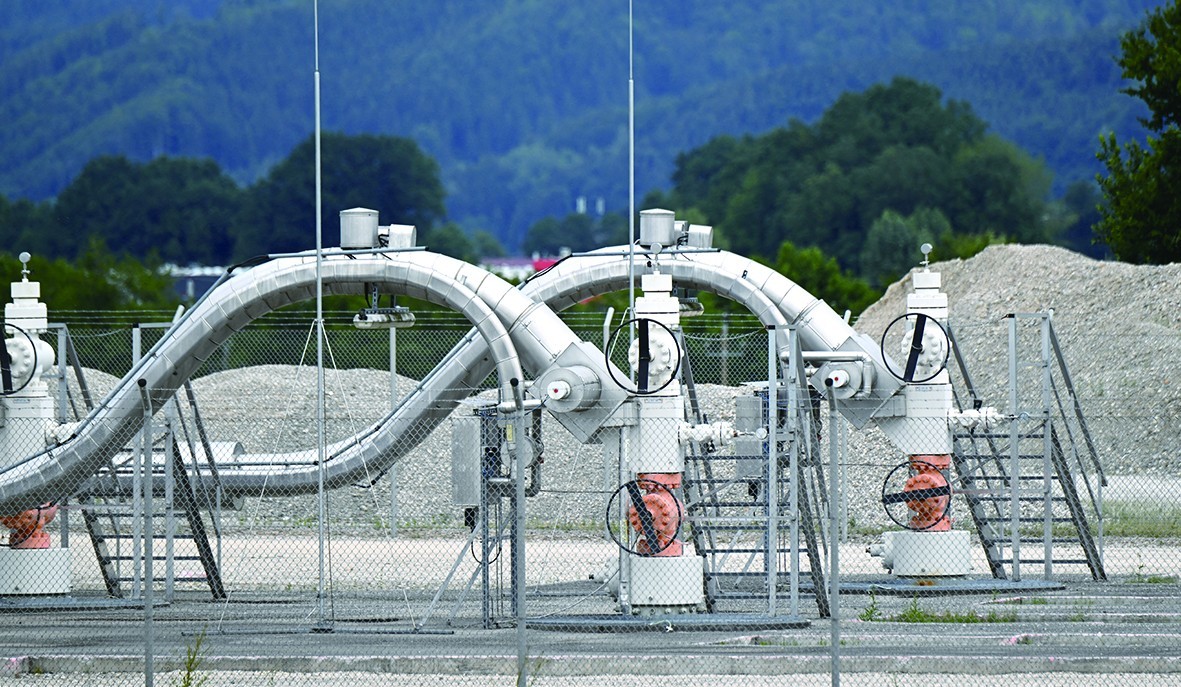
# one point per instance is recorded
(576, 232)
(1079, 208)
(895, 147)
(486, 245)
(25, 225)
(97, 280)
(1141, 218)
(893, 242)
(821, 276)
(177, 209)
(385, 173)
(450, 240)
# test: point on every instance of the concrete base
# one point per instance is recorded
(925, 554)
(34, 571)
(667, 583)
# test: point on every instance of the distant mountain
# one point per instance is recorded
(524, 102)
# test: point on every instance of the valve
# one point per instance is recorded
(28, 527)
(20, 359)
(924, 344)
(655, 513)
(655, 355)
(926, 493)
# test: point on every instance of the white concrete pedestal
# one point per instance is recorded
(34, 571)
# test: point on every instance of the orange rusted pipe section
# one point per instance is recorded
(666, 514)
(928, 514)
(28, 528)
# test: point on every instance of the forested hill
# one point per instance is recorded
(523, 102)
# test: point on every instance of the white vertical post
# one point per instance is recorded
(137, 485)
(834, 571)
(149, 574)
(1047, 447)
(169, 500)
(320, 446)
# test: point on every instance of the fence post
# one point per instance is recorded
(834, 509)
(149, 574)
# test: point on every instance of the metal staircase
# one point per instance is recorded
(119, 523)
(742, 528)
(1031, 487)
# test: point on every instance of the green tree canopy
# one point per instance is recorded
(178, 209)
(892, 148)
(97, 280)
(25, 225)
(824, 278)
(449, 239)
(1141, 219)
(576, 232)
(385, 173)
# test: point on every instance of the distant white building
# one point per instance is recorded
(191, 282)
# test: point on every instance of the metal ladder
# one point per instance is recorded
(1022, 484)
(114, 520)
(729, 511)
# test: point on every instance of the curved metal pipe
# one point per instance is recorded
(51, 474)
(771, 297)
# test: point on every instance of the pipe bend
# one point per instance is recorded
(49, 475)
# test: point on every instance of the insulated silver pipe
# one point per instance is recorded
(507, 321)
(50, 475)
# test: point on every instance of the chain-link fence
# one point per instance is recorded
(428, 535)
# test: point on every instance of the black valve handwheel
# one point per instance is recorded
(6, 387)
(894, 494)
(643, 336)
(913, 327)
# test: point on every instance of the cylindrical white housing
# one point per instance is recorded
(358, 228)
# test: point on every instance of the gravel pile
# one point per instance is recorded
(1119, 326)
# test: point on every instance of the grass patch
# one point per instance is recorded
(1141, 519)
(1151, 578)
(914, 614)
(871, 612)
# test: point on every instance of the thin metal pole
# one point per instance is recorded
(169, 500)
(1047, 462)
(834, 572)
(793, 466)
(772, 535)
(393, 404)
(1015, 455)
(63, 388)
(631, 172)
(517, 437)
(320, 446)
(137, 487)
(149, 584)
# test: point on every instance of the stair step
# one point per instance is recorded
(745, 550)
(186, 578)
(154, 558)
(1005, 542)
(1026, 519)
(1055, 561)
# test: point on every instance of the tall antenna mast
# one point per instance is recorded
(319, 325)
(631, 168)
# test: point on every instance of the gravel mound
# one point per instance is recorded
(1118, 325)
